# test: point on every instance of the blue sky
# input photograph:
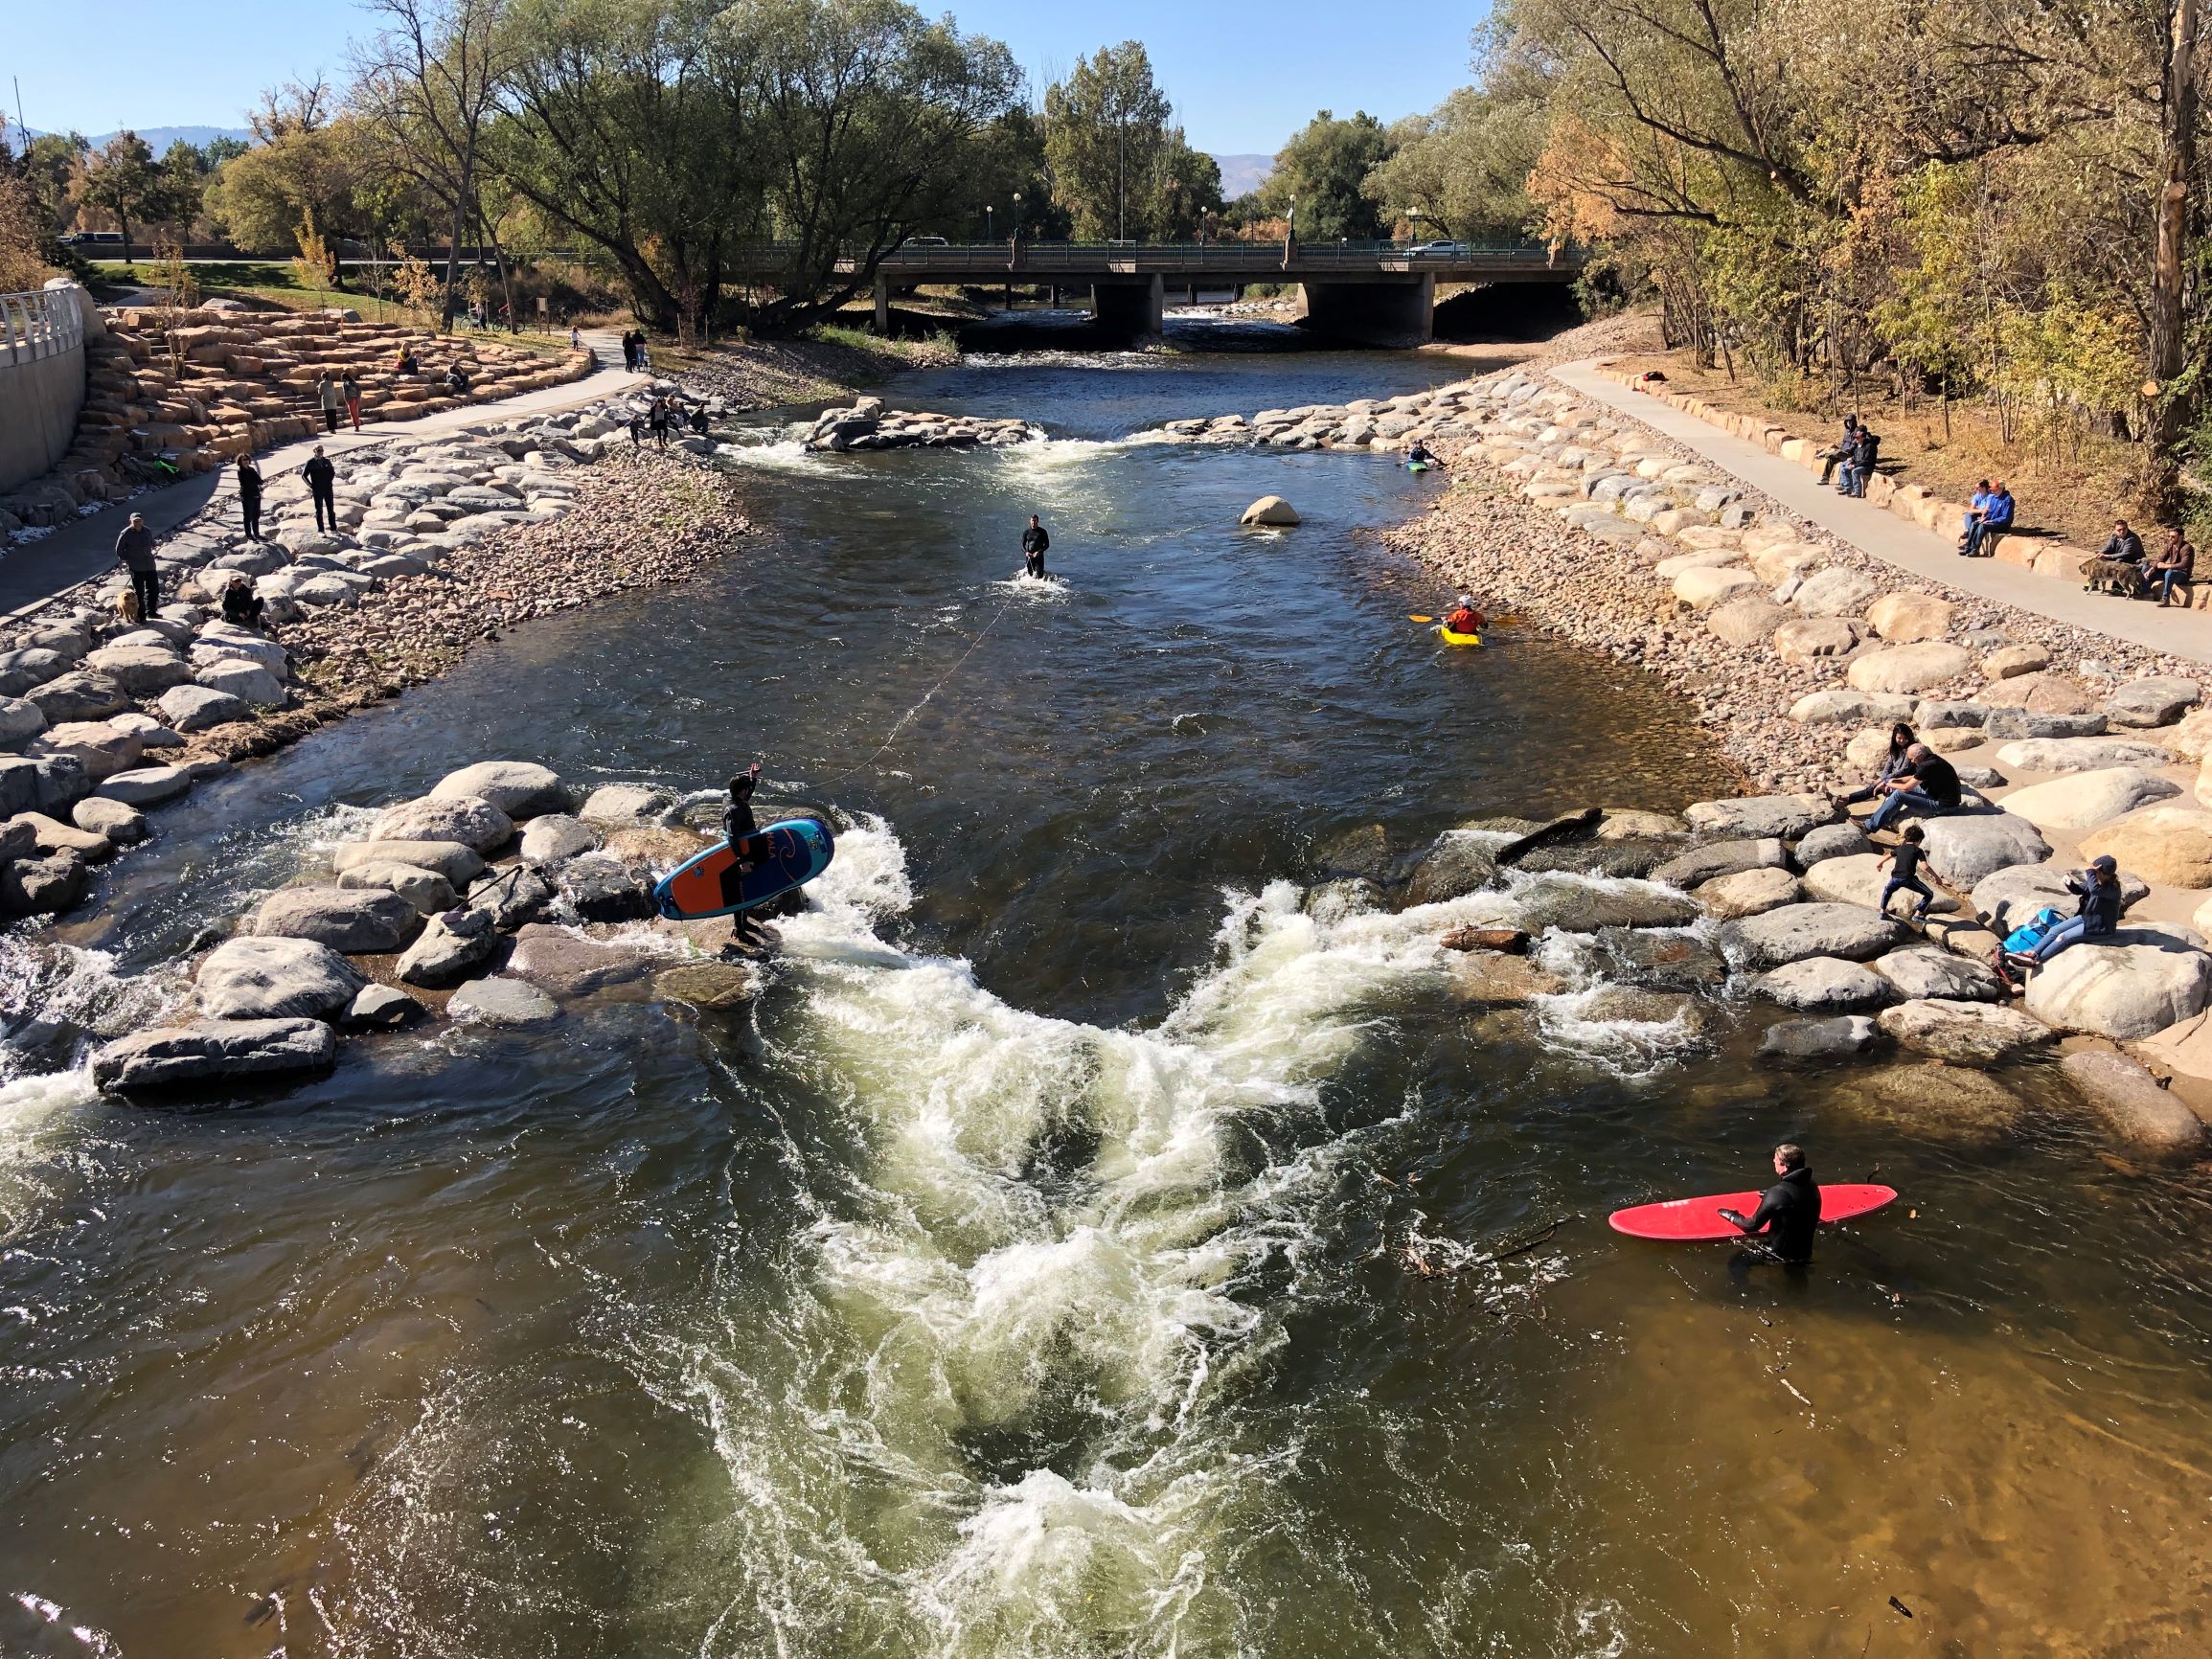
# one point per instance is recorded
(1244, 77)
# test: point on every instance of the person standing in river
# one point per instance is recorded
(322, 485)
(1789, 1210)
(1033, 543)
(250, 496)
(738, 828)
(134, 548)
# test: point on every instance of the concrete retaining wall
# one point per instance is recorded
(41, 380)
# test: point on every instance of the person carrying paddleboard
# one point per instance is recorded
(1789, 1210)
(739, 827)
(1034, 542)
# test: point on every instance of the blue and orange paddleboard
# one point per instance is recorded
(786, 854)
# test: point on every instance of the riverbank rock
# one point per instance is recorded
(170, 1057)
(514, 898)
(1746, 892)
(125, 825)
(2010, 897)
(1458, 863)
(382, 1008)
(1837, 1038)
(262, 979)
(598, 888)
(1578, 906)
(2083, 799)
(555, 837)
(2139, 982)
(474, 823)
(425, 891)
(1963, 846)
(1797, 931)
(1491, 978)
(1809, 639)
(502, 1002)
(569, 964)
(2159, 700)
(2080, 754)
(1270, 509)
(1923, 972)
(1913, 667)
(1841, 840)
(1905, 617)
(352, 921)
(145, 787)
(52, 836)
(1760, 817)
(520, 788)
(1823, 983)
(625, 805)
(2170, 846)
(198, 708)
(42, 886)
(1977, 1033)
(2141, 1113)
(1715, 858)
(458, 864)
(449, 949)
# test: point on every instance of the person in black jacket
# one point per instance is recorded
(323, 485)
(134, 552)
(2096, 917)
(1843, 447)
(1789, 1212)
(738, 828)
(250, 496)
(1931, 788)
(1034, 542)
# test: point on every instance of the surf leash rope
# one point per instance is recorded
(942, 681)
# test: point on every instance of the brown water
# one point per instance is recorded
(1028, 1273)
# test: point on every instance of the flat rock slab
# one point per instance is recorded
(275, 978)
(555, 837)
(173, 1058)
(1958, 1105)
(1795, 932)
(458, 864)
(1925, 972)
(2159, 700)
(2166, 845)
(1832, 841)
(1584, 906)
(1837, 707)
(474, 822)
(146, 786)
(1836, 1037)
(1755, 817)
(502, 1002)
(624, 804)
(1746, 892)
(1823, 984)
(2085, 800)
(351, 921)
(1978, 1033)
(1963, 846)
(2137, 983)
(1908, 667)
(2141, 1113)
(1702, 864)
(518, 788)
(426, 891)
(2013, 723)
(568, 964)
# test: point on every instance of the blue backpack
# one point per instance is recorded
(2030, 933)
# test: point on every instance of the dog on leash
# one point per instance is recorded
(127, 610)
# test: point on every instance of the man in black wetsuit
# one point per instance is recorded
(1034, 542)
(738, 828)
(1789, 1210)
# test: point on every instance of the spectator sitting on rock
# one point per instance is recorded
(2096, 917)
(457, 380)
(244, 607)
(1842, 447)
(2118, 566)
(2174, 567)
(1858, 463)
(1930, 787)
(406, 362)
(1894, 766)
(1969, 527)
(1995, 519)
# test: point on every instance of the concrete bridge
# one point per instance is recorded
(1376, 294)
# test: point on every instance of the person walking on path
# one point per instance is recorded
(1033, 544)
(323, 485)
(134, 548)
(250, 496)
(350, 389)
(1788, 1210)
(327, 395)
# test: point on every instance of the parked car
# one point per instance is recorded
(94, 239)
(1437, 250)
(926, 242)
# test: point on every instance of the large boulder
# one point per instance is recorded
(2159, 700)
(145, 787)
(1809, 639)
(1854, 879)
(248, 682)
(2139, 981)
(42, 886)
(2170, 846)
(275, 978)
(101, 749)
(1746, 621)
(2080, 754)
(1920, 972)
(622, 805)
(598, 888)
(1842, 840)
(1837, 707)
(553, 837)
(1956, 1104)
(2191, 736)
(1457, 864)
(197, 708)
(501, 1002)
(1578, 905)
(1754, 817)
(1704, 586)
(1746, 892)
(2012, 723)
(1797, 931)
(352, 921)
(2144, 1115)
(520, 895)
(141, 670)
(2010, 897)
(1702, 864)
(1270, 509)
(382, 1008)
(449, 949)
(1836, 592)
(568, 964)
(2083, 799)
(458, 864)
(125, 825)
(170, 1058)
(518, 788)
(425, 891)
(1902, 618)
(1913, 667)
(1823, 984)
(470, 820)
(1963, 846)
(1837, 1038)
(19, 722)
(1976, 1034)
(78, 697)
(2044, 694)
(2010, 662)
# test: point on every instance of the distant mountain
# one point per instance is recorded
(1240, 174)
(157, 138)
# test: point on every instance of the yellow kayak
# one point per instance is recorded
(1451, 639)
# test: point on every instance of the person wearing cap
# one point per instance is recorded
(1465, 619)
(2096, 917)
(134, 551)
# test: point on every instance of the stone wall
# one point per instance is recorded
(41, 380)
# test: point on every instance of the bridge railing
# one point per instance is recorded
(1224, 254)
(44, 324)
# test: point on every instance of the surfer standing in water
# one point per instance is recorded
(739, 827)
(1034, 542)
(1792, 1206)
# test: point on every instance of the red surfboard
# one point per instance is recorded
(1685, 1219)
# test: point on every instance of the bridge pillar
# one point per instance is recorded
(1373, 313)
(882, 304)
(1136, 307)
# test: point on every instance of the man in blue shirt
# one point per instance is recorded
(1970, 532)
(1996, 518)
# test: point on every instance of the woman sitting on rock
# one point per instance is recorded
(2096, 917)
(1893, 764)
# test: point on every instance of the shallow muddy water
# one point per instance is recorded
(1081, 1248)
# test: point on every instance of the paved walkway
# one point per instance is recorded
(34, 571)
(1884, 535)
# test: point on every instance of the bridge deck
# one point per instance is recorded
(1184, 262)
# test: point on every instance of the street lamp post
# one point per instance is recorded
(989, 235)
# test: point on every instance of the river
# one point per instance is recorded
(1028, 1273)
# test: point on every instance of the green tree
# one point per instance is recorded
(123, 179)
(25, 223)
(303, 169)
(1106, 130)
(1324, 169)
(1461, 169)
(52, 166)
